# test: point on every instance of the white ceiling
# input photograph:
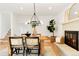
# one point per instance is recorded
(27, 8)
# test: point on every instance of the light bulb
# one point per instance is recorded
(50, 8)
(21, 8)
(76, 12)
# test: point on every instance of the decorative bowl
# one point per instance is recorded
(28, 35)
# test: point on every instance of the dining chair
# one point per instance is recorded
(32, 45)
(16, 45)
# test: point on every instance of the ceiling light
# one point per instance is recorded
(27, 22)
(76, 12)
(34, 19)
(50, 8)
(21, 8)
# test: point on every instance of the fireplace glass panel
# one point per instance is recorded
(71, 39)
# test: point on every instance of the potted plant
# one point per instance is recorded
(51, 28)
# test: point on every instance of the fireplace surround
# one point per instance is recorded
(72, 39)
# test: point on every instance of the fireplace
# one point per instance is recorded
(72, 39)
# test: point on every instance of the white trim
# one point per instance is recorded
(70, 21)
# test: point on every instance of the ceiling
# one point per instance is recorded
(42, 9)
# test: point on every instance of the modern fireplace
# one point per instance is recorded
(72, 39)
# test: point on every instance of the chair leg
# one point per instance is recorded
(16, 51)
(23, 51)
(26, 52)
(38, 52)
(11, 51)
(29, 51)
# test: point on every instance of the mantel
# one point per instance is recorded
(71, 21)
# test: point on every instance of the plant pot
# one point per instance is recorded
(34, 31)
(53, 38)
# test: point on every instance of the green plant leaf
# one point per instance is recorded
(34, 23)
(51, 26)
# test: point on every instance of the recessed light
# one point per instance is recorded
(76, 12)
(25, 23)
(50, 8)
(21, 8)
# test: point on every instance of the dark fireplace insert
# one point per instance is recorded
(72, 39)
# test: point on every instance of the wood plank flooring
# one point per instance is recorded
(3, 44)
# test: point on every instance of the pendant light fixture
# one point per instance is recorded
(34, 19)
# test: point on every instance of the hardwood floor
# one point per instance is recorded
(3, 44)
(56, 50)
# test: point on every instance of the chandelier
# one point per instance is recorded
(34, 19)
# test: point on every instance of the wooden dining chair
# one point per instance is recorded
(16, 45)
(32, 44)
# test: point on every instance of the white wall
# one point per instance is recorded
(72, 25)
(59, 27)
(13, 24)
(0, 26)
(4, 24)
(21, 27)
(18, 27)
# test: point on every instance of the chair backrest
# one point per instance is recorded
(32, 40)
(16, 40)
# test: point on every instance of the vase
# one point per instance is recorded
(34, 31)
